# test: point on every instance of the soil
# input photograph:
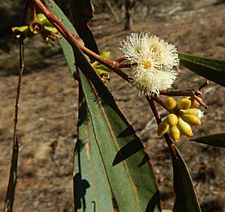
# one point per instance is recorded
(48, 114)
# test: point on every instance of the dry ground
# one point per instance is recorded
(48, 113)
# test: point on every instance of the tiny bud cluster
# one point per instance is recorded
(183, 115)
(102, 70)
(40, 25)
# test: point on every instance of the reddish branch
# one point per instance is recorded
(74, 42)
(115, 65)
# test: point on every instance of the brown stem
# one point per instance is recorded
(190, 92)
(9, 200)
(121, 65)
(158, 120)
(120, 59)
(113, 65)
(154, 110)
(159, 101)
(199, 100)
(71, 38)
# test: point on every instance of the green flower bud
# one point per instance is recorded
(42, 19)
(105, 54)
(49, 33)
(21, 32)
(36, 26)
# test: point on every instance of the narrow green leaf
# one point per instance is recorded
(91, 187)
(212, 69)
(133, 187)
(217, 140)
(186, 200)
(66, 47)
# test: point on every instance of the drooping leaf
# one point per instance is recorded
(133, 186)
(91, 187)
(66, 47)
(217, 140)
(186, 200)
(212, 69)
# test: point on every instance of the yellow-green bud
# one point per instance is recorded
(184, 127)
(36, 26)
(163, 128)
(192, 111)
(184, 103)
(49, 33)
(191, 119)
(175, 133)
(105, 54)
(172, 119)
(43, 19)
(170, 103)
(21, 32)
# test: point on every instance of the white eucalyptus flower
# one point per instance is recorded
(154, 61)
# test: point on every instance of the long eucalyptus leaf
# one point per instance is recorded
(186, 200)
(91, 187)
(217, 140)
(134, 187)
(211, 69)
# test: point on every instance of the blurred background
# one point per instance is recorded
(48, 105)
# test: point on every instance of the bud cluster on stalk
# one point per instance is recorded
(183, 115)
(39, 25)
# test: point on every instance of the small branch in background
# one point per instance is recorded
(128, 5)
(112, 11)
(203, 85)
(9, 200)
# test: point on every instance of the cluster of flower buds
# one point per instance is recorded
(100, 69)
(40, 25)
(183, 115)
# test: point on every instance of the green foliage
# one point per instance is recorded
(103, 132)
(111, 169)
(211, 69)
(186, 200)
(217, 140)
(66, 47)
(91, 186)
